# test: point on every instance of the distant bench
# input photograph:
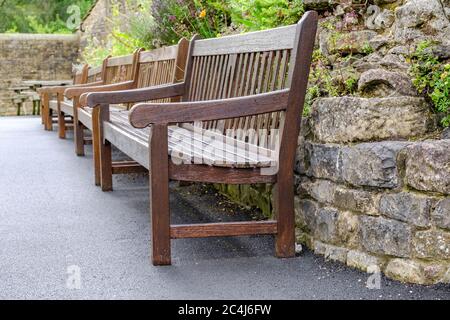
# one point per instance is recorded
(143, 69)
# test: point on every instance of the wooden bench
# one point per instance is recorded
(53, 95)
(117, 73)
(238, 123)
(146, 69)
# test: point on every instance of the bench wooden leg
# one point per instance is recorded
(79, 138)
(49, 120)
(105, 166)
(284, 214)
(96, 145)
(102, 149)
(46, 112)
(159, 196)
(61, 125)
(78, 130)
(41, 110)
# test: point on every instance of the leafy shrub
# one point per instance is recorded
(37, 16)
(265, 14)
(432, 79)
(175, 19)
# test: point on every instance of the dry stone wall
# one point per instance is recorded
(373, 185)
(373, 168)
(33, 57)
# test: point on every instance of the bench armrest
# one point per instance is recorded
(61, 89)
(70, 93)
(144, 114)
(135, 95)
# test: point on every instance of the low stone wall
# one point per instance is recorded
(373, 169)
(33, 57)
(383, 204)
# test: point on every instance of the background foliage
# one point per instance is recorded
(154, 23)
(37, 16)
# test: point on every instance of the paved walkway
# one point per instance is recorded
(52, 217)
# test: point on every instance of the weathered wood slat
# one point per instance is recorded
(160, 54)
(120, 61)
(223, 229)
(67, 107)
(267, 40)
(85, 117)
(204, 146)
(128, 143)
(127, 167)
(210, 174)
(94, 71)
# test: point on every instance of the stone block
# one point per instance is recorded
(349, 42)
(407, 207)
(334, 253)
(305, 214)
(399, 83)
(431, 244)
(356, 200)
(319, 247)
(441, 214)
(327, 225)
(353, 119)
(348, 229)
(321, 190)
(414, 271)
(362, 261)
(330, 252)
(372, 164)
(385, 236)
(323, 161)
(427, 166)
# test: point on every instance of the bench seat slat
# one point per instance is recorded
(66, 106)
(204, 146)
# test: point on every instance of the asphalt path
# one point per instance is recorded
(63, 238)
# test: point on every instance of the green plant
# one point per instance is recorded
(350, 85)
(432, 79)
(264, 14)
(312, 93)
(325, 83)
(175, 19)
(367, 48)
(37, 16)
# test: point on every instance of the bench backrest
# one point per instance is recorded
(94, 74)
(162, 66)
(119, 69)
(81, 76)
(242, 65)
(146, 68)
